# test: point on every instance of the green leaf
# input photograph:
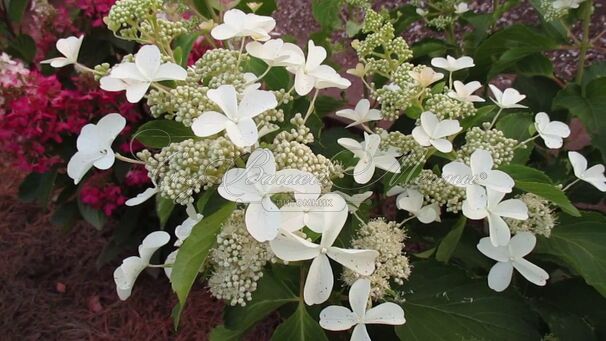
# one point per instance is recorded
(549, 192)
(270, 295)
(220, 333)
(92, 216)
(449, 244)
(589, 106)
(164, 208)
(185, 42)
(16, 9)
(535, 65)
(516, 126)
(326, 13)
(429, 47)
(37, 187)
(524, 173)
(300, 326)
(581, 244)
(161, 133)
(65, 215)
(277, 78)
(540, 92)
(195, 249)
(24, 47)
(443, 304)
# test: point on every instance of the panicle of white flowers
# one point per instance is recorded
(446, 107)
(412, 152)
(501, 148)
(237, 261)
(296, 155)
(299, 132)
(183, 169)
(541, 218)
(399, 94)
(437, 190)
(392, 265)
(126, 16)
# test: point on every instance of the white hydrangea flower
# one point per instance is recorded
(370, 157)
(239, 24)
(411, 200)
(94, 146)
(479, 173)
(432, 132)
(452, 64)
(361, 114)
(320, 280)
(511, 256)
(183, 231)
(426, 76)
(354, 201)
(489, 204)
(255, 185)
(314, 211)
(464, 92)
(276, 52)
(566, 4)
(69, 48)
(126, 274)
(337, 318)
(136, 78)
(507, 99)
(314, 74)
(461, 8)
(552, 132)
(594, 175)
(237, 117)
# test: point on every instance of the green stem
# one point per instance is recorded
(570, 185)
(241, 51)
(494, 120)
(129, 160)
(588, 9)
(311, 106)
(525, 141)
(263, 74)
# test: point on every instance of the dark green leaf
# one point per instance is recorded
(37, 187)
(65, 215)
(326, 13)
(525, 173)
(161, 133)
(195, 249)
(185, 42)
(92, 216)
(549, 192)
(220, 333)
(449, 244)
(535, 65)
(300, 326)
(164, 208)
(277, 78)
(16, 9)
(24, 47)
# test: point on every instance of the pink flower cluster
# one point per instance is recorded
(94, 10)
(107, 197)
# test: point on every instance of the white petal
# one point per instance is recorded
(446, 128)
(291, 248)
(142, 197)
(108, 83)
(79, 164)
(292, 217)
(531, 272)
(457, 174)
(148, 60)
(303, 82)
(319, 282)
(223, 32)
(244, 133)
(110, 126)
(209, 123)
(387, 163)
(152, 243)
(70, 47)
(578, 162)
(256, 102)
(429, 122)
(498, 229)
(349, 114)
(442, 145)
(363, 171)
(236, 187)
(337, 318)
(496, 180)
(315, 55)
(595, 176)
(360, 261)
(261, 162)
(472, 211)
(352, 145)
(363, 107)
(557, 128)
(411, 201)
(263, 220)
(170, 71)
(480, 162)
(522, 244)
(358, 296)
(136, 90)
(128, 72)
(170, 260)
(512, 208)
(331, 210)
(498, 253)
(360, 333)
(552, 142)
(499, 276)
(439, 62)
(385, 313)
(226, 98)
(428, 214)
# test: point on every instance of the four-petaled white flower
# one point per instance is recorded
(489, 204)
(426, 76)
(411, 200)
(511, 256)
(94, 146)
(552, 132)
(354, 201)
(452, 64)
(432, 132)
(461, 8)
(237, 118)
(276, 52)
(507, 99)
(464, 92)
(136, 78)
(479, 173)
(318, 285)
(313, 74)
(239, 24)
(184, 230)
(337, 318)
(255, 185)
(566, 4)
(361, 114)
(69, 48)
(126, 274)
(313, 211)
(593, 175)
(370, 157)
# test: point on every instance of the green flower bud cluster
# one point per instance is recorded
(296, 155)
(183, 169)
(359, 3)
(299, 132)
(437, 190)
(446, 107)
(412, 152)
(214, 63)
(101, 70)
(493, 141)
(125, 16)
(541, 218)
(399, 95)
(441, 22)
(183, 103)
(392, 265)
(163, 30)
(238, 261)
